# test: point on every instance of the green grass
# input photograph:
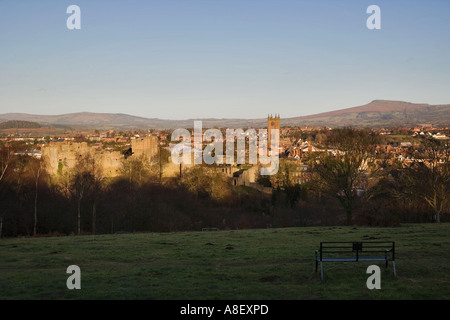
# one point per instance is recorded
(245, 264)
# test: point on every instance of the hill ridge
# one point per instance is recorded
(377, 113)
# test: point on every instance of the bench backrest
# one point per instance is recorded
(357, 248)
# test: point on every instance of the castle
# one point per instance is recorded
(63, 155)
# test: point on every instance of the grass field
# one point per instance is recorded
(246, 264)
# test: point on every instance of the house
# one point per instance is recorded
(440, 136)
(246, 176)
(35, 154)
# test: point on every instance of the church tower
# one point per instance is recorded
(273, 122)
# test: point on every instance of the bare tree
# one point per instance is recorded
(37, 167)
(97, 180)
(340, 174)
(5, 160)
(136, 169)
(158, 162)
(198, 180)
(208, 181)
(428, 177)
(83, 181)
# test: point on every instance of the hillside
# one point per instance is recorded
(125, 121)
(378, 113)
(81, 119)
(18, 124)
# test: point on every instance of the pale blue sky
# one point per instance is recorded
(182, 59)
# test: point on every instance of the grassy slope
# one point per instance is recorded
(262, 264)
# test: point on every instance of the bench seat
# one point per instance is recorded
(351, 259)
(355, 251)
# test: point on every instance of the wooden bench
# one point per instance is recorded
(351, 251)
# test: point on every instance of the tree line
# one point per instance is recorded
(19, 124)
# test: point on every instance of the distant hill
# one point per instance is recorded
(126, 121)
(378, 113)
(80, 118)
(19, 124)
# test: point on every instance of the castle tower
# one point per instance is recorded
(146, 145)
(273, 122)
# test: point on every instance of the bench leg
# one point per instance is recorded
(321, 271)
(393, 266)
(316, 266)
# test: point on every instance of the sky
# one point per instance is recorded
(186, 59)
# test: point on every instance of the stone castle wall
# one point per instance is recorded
(148, 146)
(66, 154)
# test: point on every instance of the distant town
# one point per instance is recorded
(107, 181)
(296, 145)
